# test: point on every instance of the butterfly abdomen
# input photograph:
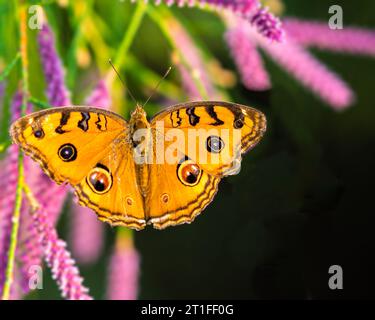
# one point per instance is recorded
(143, 179)
(140, 138)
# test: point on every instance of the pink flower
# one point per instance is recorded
(86, 235)
(193, 58)
(249, 10)
(59, 259)
(49, 195)
(348, 40)
(313, 74)
(302, 65)
(2, 90)
(53, 69)
(123, 272)
(7, 203)
(100, 96)
(8, 187)
(28, 253)
(248, 60)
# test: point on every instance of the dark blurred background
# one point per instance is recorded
(304, 199)
(302, 202)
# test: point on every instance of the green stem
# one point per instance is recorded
(77, 39)
(4, 146)
(9, 67)
(127, 40)
(130, 34)
(14, 234)
(124, 232)
(148, 78)
(159, 20)
(39, 104)
(17, 207)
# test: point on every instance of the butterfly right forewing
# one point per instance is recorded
(67, 141)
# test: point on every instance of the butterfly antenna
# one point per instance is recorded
(157, 86)
(123, 82)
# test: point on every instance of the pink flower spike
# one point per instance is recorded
(8, 190)
(2, 91)
(7, 202)
(310, 72)
(123, 271)
(268, 25)
(30, 255)
(248, 60)
(194, 59)
(99, 96)
(188, 83)
(58, 258)
(349, 40)
(265, 22)
(245, 8)
(86, 234)
(57, 93)
(47, 193)
(50, 195)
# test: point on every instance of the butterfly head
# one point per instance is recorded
(138, 118)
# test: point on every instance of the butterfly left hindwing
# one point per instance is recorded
(178, 192)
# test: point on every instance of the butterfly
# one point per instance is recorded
(97, 153)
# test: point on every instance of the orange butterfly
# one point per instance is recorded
(97, 153)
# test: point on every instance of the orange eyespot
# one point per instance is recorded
(99, 180)
(189, 173)
(129, 201)
(165, 198)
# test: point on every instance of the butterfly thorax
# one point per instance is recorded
(138, 120)
(140, 135)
